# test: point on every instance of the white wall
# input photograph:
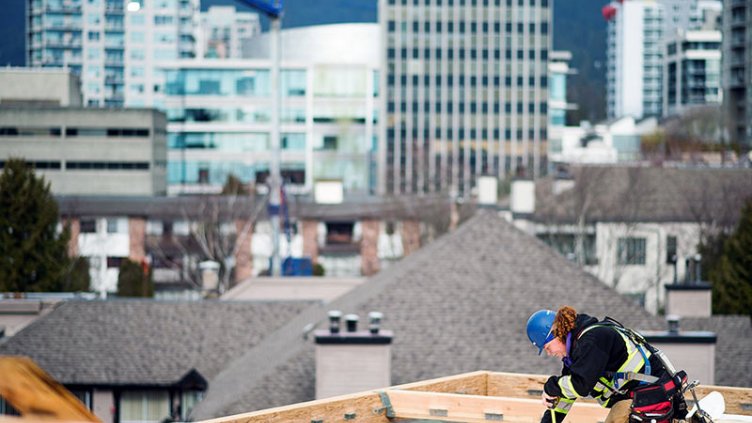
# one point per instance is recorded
(651, 277)
(100, 245)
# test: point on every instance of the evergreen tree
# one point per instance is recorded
(133, 281)
(33, 254)
(78, 279)
(732, 275)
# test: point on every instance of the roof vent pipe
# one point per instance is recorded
(673, 324)
(351, 320)
(334, 321)
(374, 322)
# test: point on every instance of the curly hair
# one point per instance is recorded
(564, 322)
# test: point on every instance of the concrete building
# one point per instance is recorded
(737, 70)
(113, 48)
(692, 70)
(465, 93)
(47, 87)
(224, 30)
(89, 151)
(220, 121)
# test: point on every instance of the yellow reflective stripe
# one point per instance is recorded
(603, 401)
(564, 405)
(565, 384)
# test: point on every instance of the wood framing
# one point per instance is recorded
(480, 396)
(477, 408)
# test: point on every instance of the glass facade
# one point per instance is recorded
(230, 134)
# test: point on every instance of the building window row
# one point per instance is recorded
(461, 27)
(16, 131)
(464, 53)
(508, 3)
(463, 133)
(483, 107)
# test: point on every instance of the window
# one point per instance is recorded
(114, 262)
(88, 226)
(144, 406)
(631, 251)
(330, 143)
(671, 256)
(115, 225)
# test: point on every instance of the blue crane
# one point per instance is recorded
(272, 8)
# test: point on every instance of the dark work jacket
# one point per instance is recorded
(599, 351)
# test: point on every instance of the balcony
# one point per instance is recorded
(110, 27)
(114, 80)
(114, 61)
(64, 8)
(115, 9)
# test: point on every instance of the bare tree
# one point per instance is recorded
(218, 226)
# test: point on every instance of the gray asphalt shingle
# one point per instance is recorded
(144, 342)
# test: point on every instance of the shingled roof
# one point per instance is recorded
(145, 342)
(459, 304)
(647, 194)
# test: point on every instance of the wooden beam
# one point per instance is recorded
(36, 395)
(362, 407)
(477, 408)
(474, 383)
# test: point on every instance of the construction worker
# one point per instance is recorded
(606, 361)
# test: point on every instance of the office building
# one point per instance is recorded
(465, 92)
(80, 151)
(88, 151)
(737, 70)
(692, 71)
(224, 31)
(112, 47)
(219, 113)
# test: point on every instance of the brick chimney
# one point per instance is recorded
(693, 352)
(349, 360)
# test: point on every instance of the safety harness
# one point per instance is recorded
(653, 400)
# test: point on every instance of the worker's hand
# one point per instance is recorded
(548, 400)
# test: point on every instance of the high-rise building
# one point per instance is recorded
(692, 71)
(465, 92)
(737, 70)
(637, 33)
(112, 44)
(634, 63)
(224, 31)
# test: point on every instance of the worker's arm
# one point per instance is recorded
(558, 411)
(588, 364)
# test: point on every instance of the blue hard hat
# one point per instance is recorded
(539, 328)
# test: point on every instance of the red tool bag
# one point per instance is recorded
(656, 402)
